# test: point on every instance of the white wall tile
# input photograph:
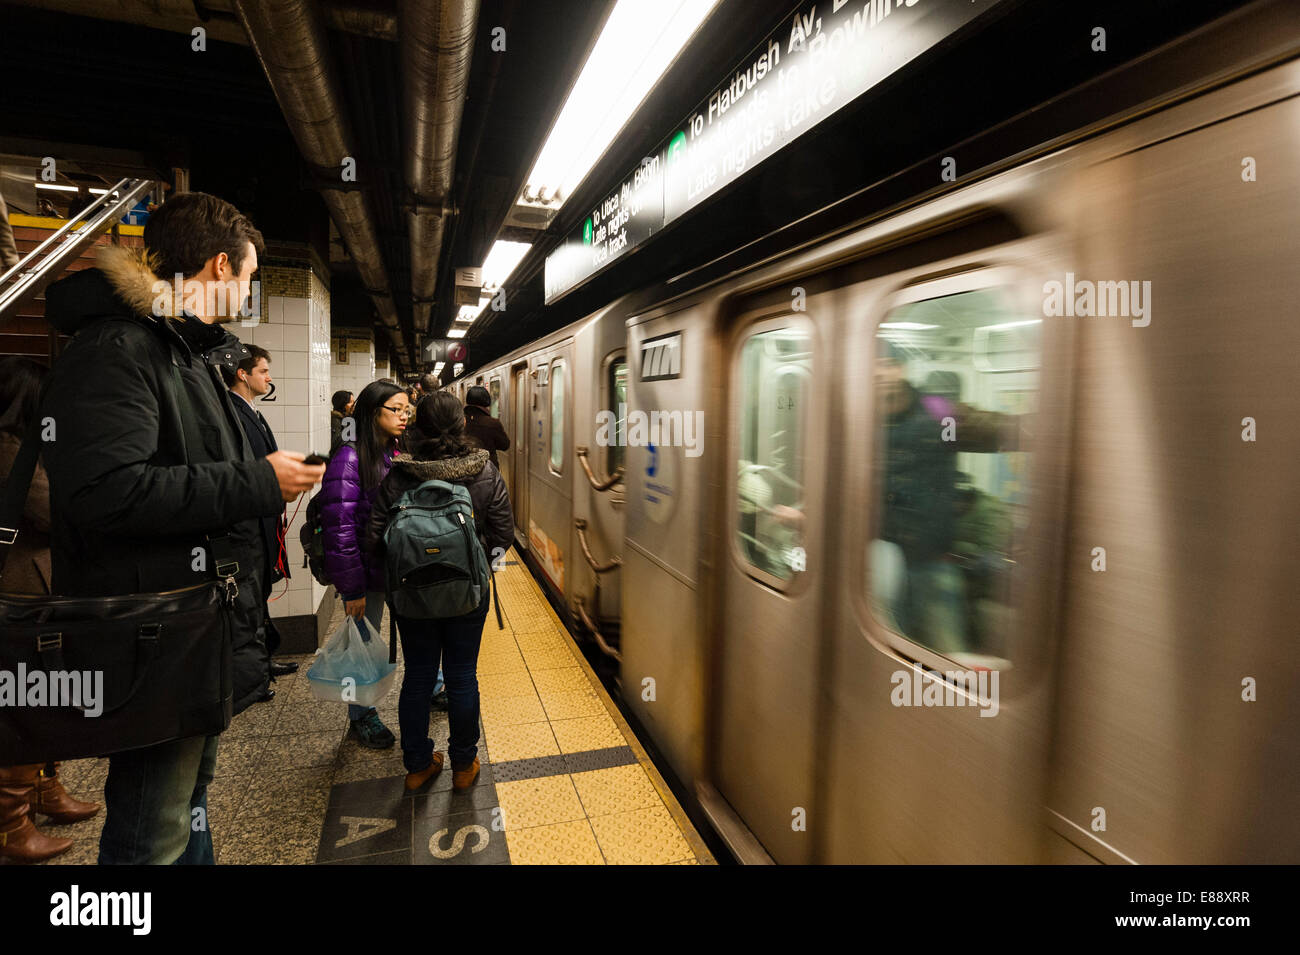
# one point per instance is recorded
(275, 309)
(296, 311)
(292, 363)
(273, 414)
(269, 337)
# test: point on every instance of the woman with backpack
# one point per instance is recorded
(445, 455)
(351, 482)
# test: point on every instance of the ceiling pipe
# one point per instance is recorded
(289, 39)
(436, 39)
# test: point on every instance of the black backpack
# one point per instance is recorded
(313, 542)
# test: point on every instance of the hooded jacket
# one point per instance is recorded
(345, 506)
(487, 493)
(148, 458)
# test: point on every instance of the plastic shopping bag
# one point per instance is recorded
(349, 669)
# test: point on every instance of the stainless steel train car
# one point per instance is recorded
(1100, 663)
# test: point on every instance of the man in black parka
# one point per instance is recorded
(149, 466)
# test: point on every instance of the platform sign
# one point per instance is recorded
(820, 58)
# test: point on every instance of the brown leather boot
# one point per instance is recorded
(20, 841)
(415, 780)
(462, 779)
(50, 798)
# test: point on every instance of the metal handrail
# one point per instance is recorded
(32, 276)
(580, 605)
(586, 466)
(598, 567)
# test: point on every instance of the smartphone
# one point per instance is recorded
(314, 458)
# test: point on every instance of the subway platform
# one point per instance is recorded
(563, 780)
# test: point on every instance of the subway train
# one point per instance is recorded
(967, 533)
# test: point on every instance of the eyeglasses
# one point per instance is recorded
(400, 412)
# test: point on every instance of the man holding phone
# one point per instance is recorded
(248, 380)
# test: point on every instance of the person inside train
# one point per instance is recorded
(347, 493)
(445, 454)
(484, 429)
(923, 432)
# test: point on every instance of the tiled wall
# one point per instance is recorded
(296, 331)
(359, 370)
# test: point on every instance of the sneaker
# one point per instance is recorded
(371, 732)
(439, 700)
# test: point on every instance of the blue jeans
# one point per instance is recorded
(150, 798)
(454, 641)
(375, 614)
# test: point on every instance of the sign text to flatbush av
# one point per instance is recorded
(820, 58)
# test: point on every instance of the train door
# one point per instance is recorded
(520, 395)
(772, 578)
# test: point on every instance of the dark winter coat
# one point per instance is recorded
(261, 441)
(344, 511)
(27, 568)
(137, 482)
(487, 431)
(487, 493)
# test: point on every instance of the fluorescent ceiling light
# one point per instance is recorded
(437, 367)
(641, 38)
(1032, 321)
(501, 261)
(456, 333)
(53, 187)
(907, 326)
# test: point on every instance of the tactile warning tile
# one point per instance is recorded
(599, 759)
(508, 661)
(529, 613)
(494, 642)
(523, 741)
(619, 789)
(538, 642)
(508, 710)
(567, 705)
(547, 659)
(586, 733)
(562, 680)
(566, 843)
(513, 683)
(640, 837)
(539, 802)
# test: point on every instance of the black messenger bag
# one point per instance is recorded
(90, 676)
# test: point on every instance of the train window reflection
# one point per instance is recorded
(956, 387)
(618, 403)
(494, 389)
(557, 417)
(775, 369)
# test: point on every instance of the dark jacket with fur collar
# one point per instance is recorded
(487, 492)
(137, 481)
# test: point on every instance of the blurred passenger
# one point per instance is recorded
(132, 500)
(347, 494)
(920, 512)
(429, 384)
(342, 407)
(34, 788)
(484, 429)
(445, 455)
(248, 380)
(8, 249)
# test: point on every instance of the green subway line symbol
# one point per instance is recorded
(676, 144)
(586, 232)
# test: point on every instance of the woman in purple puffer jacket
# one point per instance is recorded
(351, 482)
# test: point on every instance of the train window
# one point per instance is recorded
(775, 385)
(618, 404)
(494, 389)
(557, 417)
(956, 386)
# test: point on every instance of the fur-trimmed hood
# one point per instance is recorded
(446, 469)
(123, 282)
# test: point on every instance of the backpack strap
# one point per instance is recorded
(496, 596)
